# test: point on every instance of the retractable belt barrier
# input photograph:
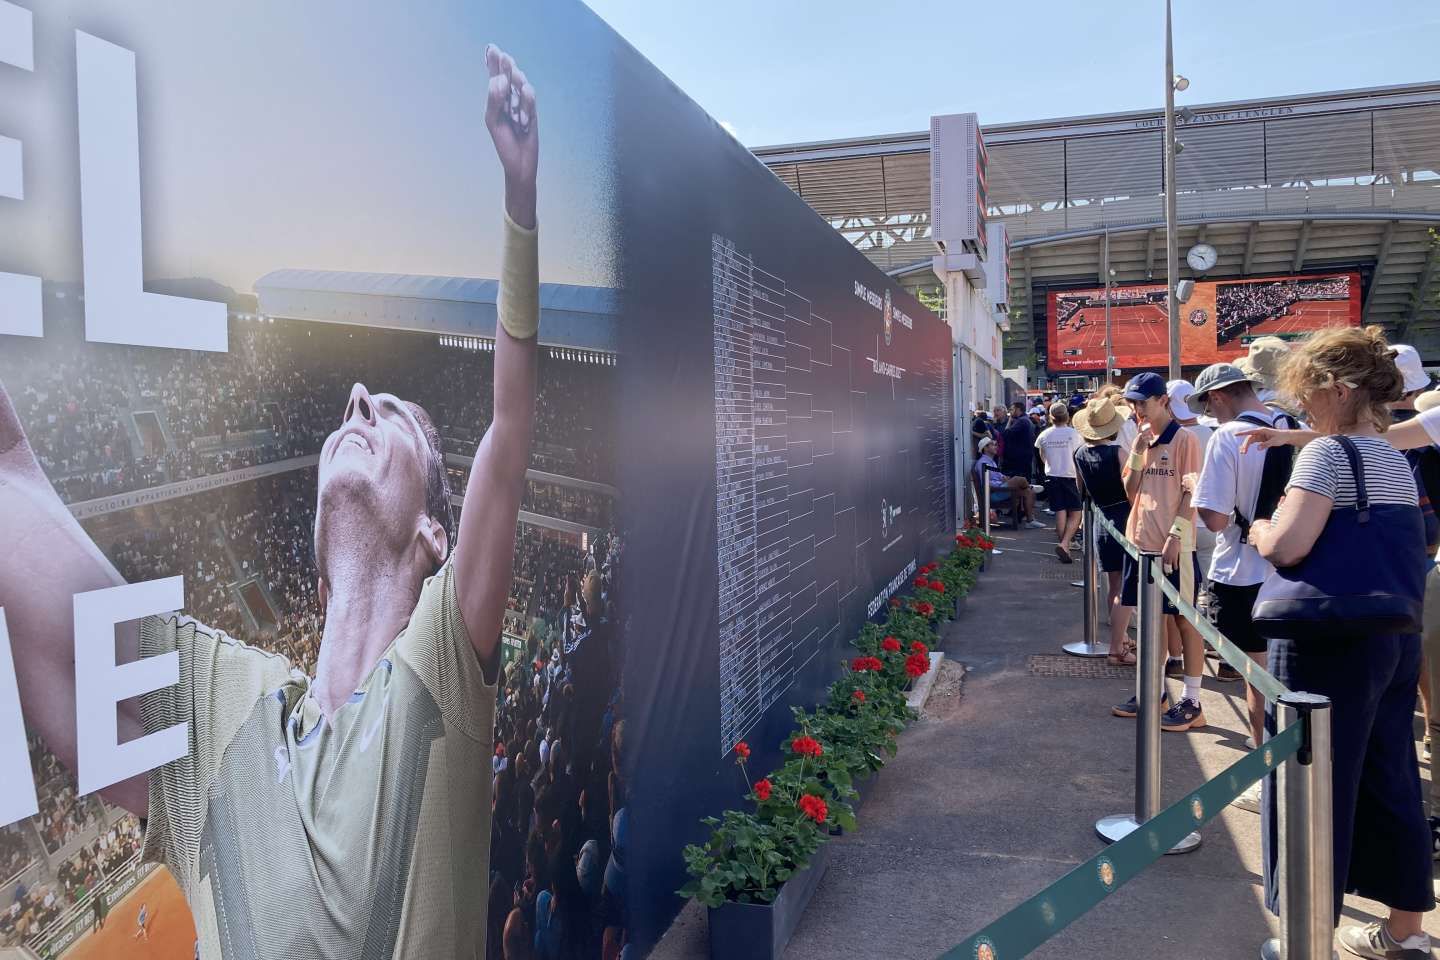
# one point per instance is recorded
(1299, 755)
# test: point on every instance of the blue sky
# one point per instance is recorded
(794, 70)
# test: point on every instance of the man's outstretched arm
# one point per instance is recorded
(485, 550)
(47, 558)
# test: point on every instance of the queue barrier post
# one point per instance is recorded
(1307, 868)
(1150, 688)
(985, 483)
(1092, 645)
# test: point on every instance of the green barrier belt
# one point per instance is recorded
(1116, 535)
(1254, 674)
(1038, 919)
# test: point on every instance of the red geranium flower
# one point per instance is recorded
(890, 645)
(762, 789)
(894, 601)
(937, 586)
(858, 696)
(919, 647)
(806, 746)
(861, 664)
(742, 750)
(814, 808)
(924, 609)
(917, 664)
(921, 582)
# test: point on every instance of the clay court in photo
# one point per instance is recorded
(168, 923)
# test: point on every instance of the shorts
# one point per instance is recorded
(1112, 555)
(1130, 592)
(1230, 608)
(1062, 493)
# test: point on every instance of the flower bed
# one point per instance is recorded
(752, 853)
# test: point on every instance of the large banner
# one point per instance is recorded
(1216, 323)
(428, 443)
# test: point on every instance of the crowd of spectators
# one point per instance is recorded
(571, 503)
(276, 393)
(15, 852)
(1240, 306)
(557, 849)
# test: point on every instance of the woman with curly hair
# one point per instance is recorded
(1344, 378)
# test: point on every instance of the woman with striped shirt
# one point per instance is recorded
(1345, 377)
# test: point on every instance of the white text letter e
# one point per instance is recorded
(17, 796)
(100, 683)
(117, 308)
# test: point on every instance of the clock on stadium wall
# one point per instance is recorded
(1201, 257)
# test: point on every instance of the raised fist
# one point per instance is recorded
(510, 118)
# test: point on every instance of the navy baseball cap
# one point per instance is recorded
(1143, 386)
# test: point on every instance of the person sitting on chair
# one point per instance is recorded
(1018, 487)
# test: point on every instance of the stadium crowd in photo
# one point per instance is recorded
(107, 421)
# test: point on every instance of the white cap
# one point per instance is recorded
(1407, 359)
(985, 442)
(1179, 391)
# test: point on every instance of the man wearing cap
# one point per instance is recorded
(1226, 499)
(1160, 474)
(987, 471)
(1017, 456)
(1057, 445)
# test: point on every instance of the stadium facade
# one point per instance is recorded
(1327, 182)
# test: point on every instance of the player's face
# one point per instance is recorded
(373, 467)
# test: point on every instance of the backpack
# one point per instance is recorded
(1274, 475)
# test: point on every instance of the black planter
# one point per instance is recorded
(961, 602)
(863, 788)
(760, 931)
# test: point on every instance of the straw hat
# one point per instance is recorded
(1262, 363)
(1098, 420)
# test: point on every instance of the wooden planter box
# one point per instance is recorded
(760, 931)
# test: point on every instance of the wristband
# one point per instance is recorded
(1136, 461)
(519, 302)
(1184, 531)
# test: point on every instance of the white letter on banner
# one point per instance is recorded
(17, 797)
(117, 308)
(19, 294)
(100, 683)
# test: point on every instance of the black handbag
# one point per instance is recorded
(1364, 576)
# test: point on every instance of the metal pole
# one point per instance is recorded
(1172, 254)
(1109, 343)
(985, 484)
(1093, 645)
(1307, 891)
(1149, 689)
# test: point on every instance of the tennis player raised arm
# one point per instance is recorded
(485, 547)
(47, 559)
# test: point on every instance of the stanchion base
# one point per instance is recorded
(1115, 828)
(1081, 649)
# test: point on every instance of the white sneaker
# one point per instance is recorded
(1249, 800)
(1035, 525)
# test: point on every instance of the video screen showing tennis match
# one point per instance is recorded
(1218, 320)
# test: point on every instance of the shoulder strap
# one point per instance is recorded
(1362, 499)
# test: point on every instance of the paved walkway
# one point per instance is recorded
(994, 795)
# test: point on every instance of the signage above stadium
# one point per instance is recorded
(1216, 323)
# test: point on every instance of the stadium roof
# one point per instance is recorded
(570, 316)
(1283, 184)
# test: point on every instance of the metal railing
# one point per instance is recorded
(1299, 753)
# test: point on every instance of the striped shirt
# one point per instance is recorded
(1321, 467)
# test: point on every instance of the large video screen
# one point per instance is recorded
(1216, 323)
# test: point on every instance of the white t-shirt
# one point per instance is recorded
(1430, 420)
(1128, 432)
(1057, 446)
(1204, 540)
(1228, 480)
